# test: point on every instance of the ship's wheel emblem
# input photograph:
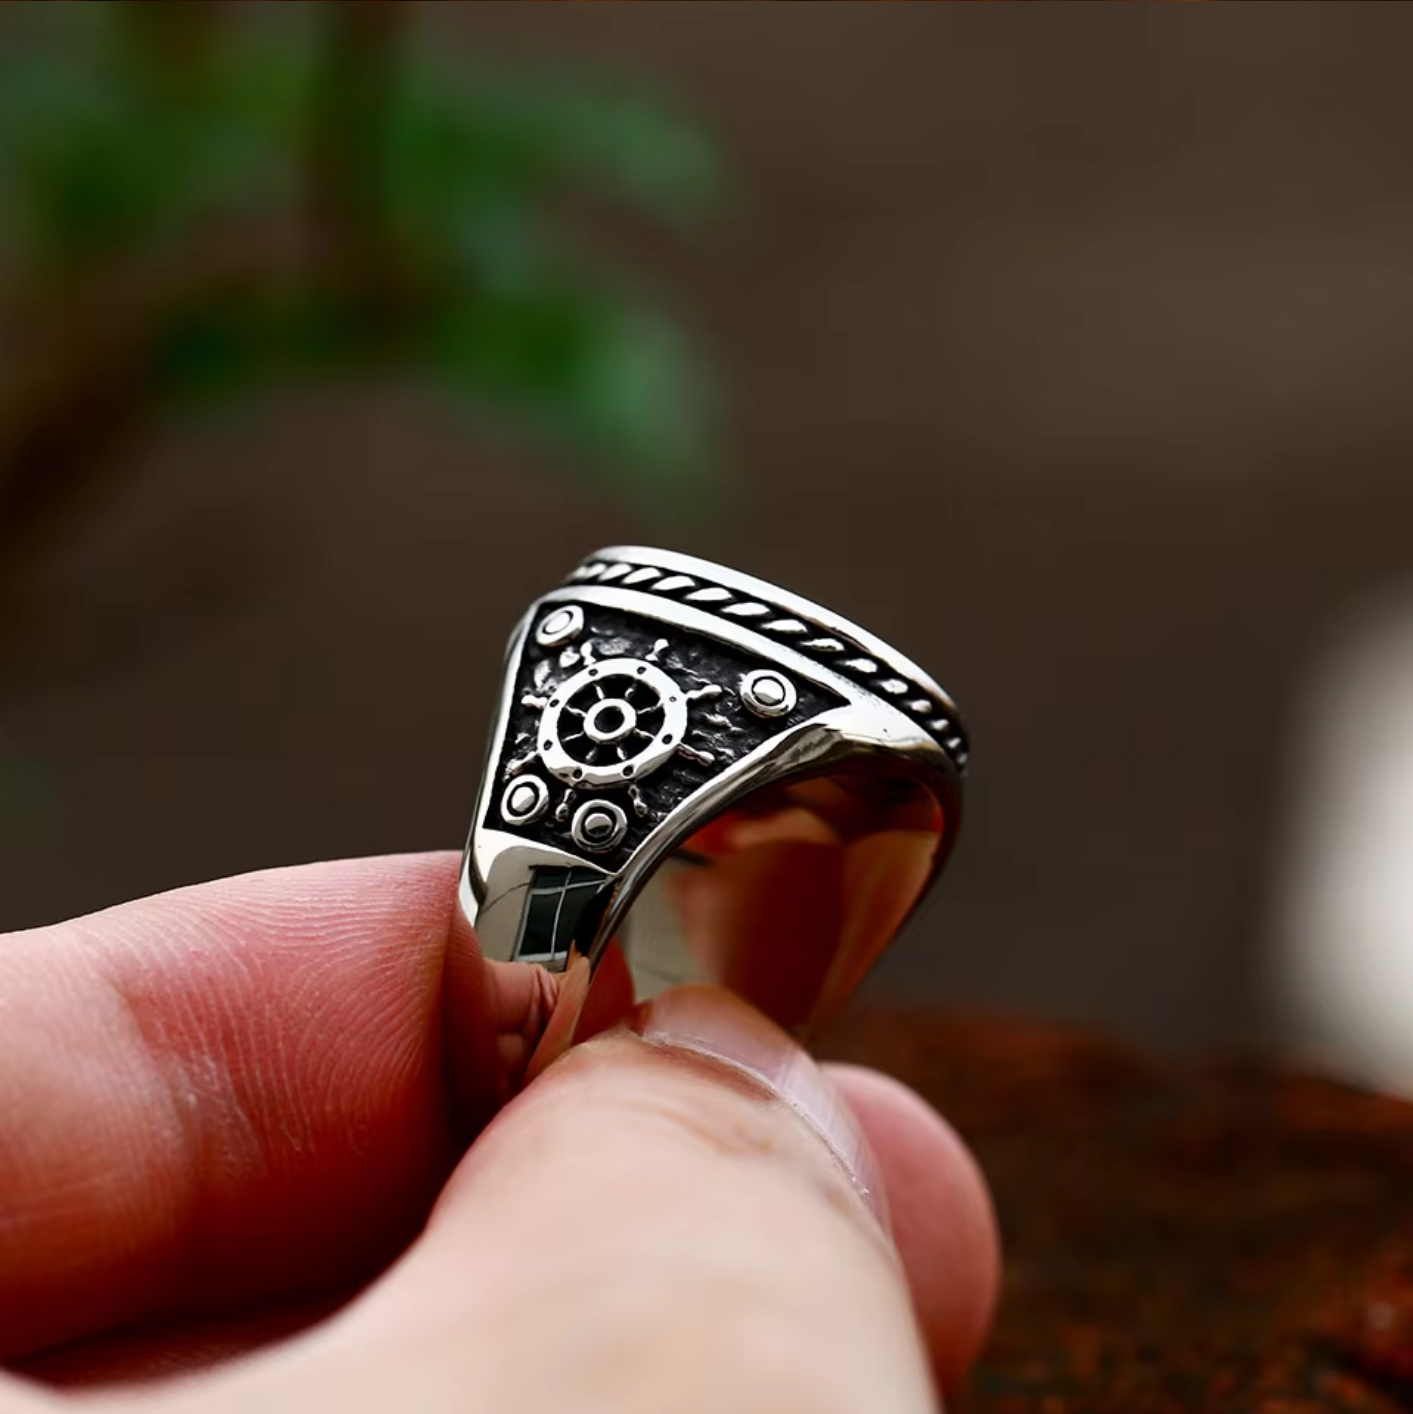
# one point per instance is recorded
(614, 722)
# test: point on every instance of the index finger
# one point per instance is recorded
(232, 1089)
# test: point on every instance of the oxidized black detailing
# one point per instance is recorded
(622, 723)
(824, 644)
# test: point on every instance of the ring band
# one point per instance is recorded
(767, 787)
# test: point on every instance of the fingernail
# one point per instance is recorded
(713, 1023)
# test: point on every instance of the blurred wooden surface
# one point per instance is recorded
(1225, 1237)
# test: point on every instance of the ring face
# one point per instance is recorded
(635, 714)
(772, 786)
(792, 625)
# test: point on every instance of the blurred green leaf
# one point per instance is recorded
(242, 341)
(474, 158)
(113, 144)
(100, 157)
(612, 377)
(469, 148)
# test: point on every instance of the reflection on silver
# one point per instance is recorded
(778, 786)
(559, 626)
(524, 800)
(598, 826)
(768, 693)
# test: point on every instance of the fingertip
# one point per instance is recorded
(716, 1024)
(943, 1220)
(610, 998)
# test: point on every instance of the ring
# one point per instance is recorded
(769, 789)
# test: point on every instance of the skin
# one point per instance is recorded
(234, 1176)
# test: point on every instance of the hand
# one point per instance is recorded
(225, 1111)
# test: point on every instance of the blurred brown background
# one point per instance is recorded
(1067, 348)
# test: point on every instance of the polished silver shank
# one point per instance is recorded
(674, 734)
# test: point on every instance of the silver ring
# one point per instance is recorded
(768, 788)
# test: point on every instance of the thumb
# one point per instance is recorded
(677, 1215)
